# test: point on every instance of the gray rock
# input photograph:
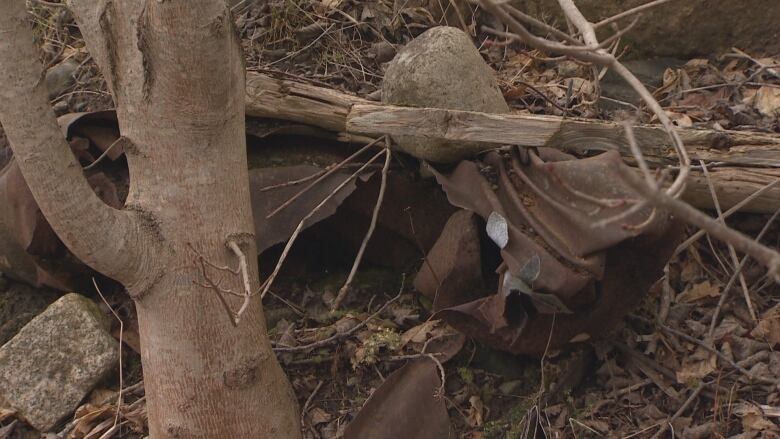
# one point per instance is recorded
(19, 303)
(55, 360)
(60, 77)
(442, 69)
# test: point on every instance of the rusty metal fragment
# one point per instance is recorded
(407, 405)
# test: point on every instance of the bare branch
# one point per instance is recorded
(731, 211)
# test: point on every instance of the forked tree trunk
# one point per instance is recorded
(176, 72)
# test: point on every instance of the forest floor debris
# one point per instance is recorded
(684, 361)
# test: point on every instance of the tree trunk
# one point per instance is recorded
(175, 69)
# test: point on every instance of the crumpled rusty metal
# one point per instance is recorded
(557, 271)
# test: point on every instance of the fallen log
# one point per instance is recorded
(742, 162)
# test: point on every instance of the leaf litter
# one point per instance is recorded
(642, 374)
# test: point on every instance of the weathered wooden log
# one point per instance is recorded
(745, 161)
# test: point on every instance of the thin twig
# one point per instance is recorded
(732, 252)
(374, 217)
(734, 209)
(738, 269)
(720, 355)
(308, 402)
(292, 182)
(242, 265)
(105, 153)
(531, 21)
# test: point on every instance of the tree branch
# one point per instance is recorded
(110, 241)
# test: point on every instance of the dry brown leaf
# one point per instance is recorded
(768, 327)
(332, 4)
(475, 415)
(682, 120)
(88, 417)
(690, 271)
(754, 420)
(699, 291)
(767, 100)
(694, 370)
(319, 416)
(419, 333)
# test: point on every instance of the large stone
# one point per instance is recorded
(682, 29)
(442, 69)
(55, 360)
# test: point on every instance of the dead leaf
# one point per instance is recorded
(699, 291)
(767, 100)
(419, 333)
(319, 416)
(331, 4)
(754, 420)
(434, 337)
(682, 120)
(474, 416)
(768, 327)
(407, 405)
(693, 369)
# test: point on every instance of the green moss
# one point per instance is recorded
(466, 374)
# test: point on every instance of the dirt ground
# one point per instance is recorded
(666, 371)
